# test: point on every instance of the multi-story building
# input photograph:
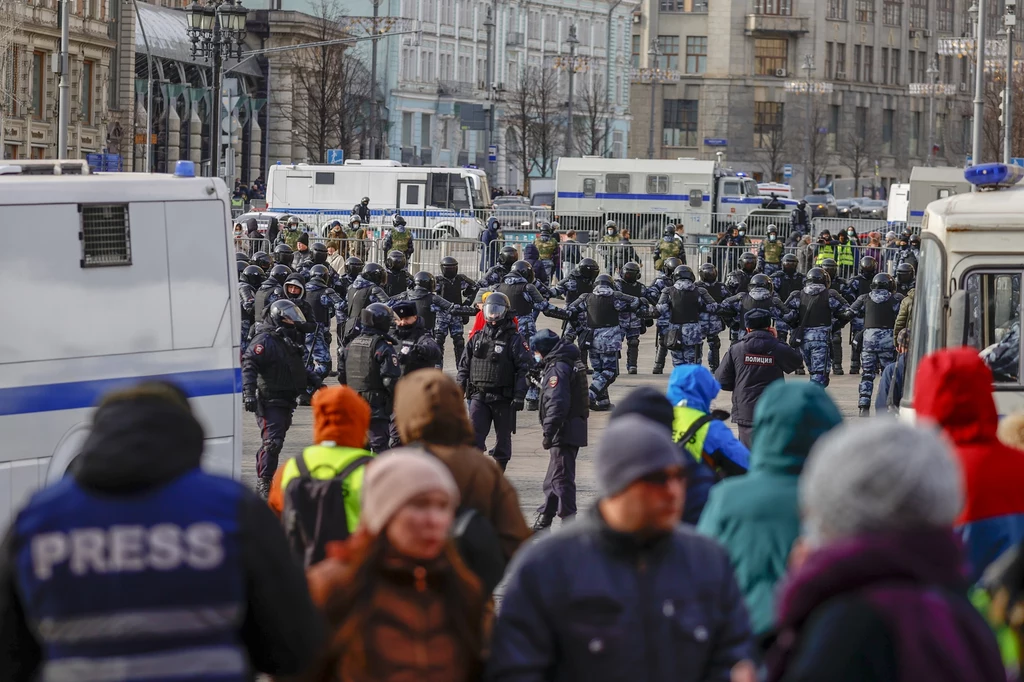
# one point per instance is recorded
(735, 85)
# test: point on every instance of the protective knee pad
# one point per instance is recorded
(459, 343)
(273, 447)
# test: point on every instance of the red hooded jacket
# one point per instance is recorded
(954, 389)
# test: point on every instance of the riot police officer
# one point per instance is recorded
(838, 285)
(417, 348)
(353, 268)
(739, 279)
(879, 308)
(629, 283)
(365, 290)
(815, 311)
(547, 246)
(597, 320)
(760, 294)
(669, 246)
(456, 288)
(662, 281)
(769, 254)
(492, 373)
(283, 255)
(273, 377)
(261, 260)
(857, 286)
(371, 368)
(507, 257)
(580, 281)
(711, 324)
(430, 306)
(399, 238)
(680, 307)
(271, 290)
(563, 418)
(251, 278)
(906, 276)
(324, 303)
(362, 210)
(799, 219)
(399, 280)
(785, 282)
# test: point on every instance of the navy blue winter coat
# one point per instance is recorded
(556, 396)
(751, 364)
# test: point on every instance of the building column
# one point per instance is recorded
(255, 146)
(173, 137)
(195, 134)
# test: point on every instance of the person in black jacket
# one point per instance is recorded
(166, 541)
(564, 410)
(753, 362)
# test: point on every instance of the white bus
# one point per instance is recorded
(450, 200)
(138, 281)
(969, 278)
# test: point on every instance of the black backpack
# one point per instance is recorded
(314, 510)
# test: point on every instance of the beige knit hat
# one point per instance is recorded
(396, 477)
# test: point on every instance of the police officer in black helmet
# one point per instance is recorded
(507, 257)
(283, 254)
(372, 368)
(429, 306)
(248, 281)
(353, 268)
(459, 289)
(366, 289)
(273, 376)
(492, 374)
(271, 290)
(906, 276)
(712, 324)
(399, 280)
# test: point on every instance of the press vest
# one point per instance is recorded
(141, 586)
(685, 306)
(321, 314)
(491, 368)
(815, 310)
(361, 369)
(681, 423)
(845, 255)
(325, 462)
(517, 297)
(880, 315)
(773, 252)
(601, 312)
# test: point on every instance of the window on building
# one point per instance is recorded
(888, 118)
(86, 83)
(696, 54)
(946, 66)
(860, 120)
(892, 12)
(38, 84)
(885, 65)
(832, 138)
(837, 9)
(669, 46)
(770, 55)
(915, 133)
(550, 26)
(533, 25)
(679, 127)
(636, 52)
(782, 7)
(922, 67)
(865, 11)
(944, 15)
(856, 62)
(425, 130)
(828, 61)
(869, 64)
(767, 123)
(911, 63)
(919, 13)
(406, 128)
(894, 67)
(12, 84)
(841, 61)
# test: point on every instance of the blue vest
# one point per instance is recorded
(139, 586)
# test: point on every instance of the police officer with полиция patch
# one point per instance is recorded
(371, 369)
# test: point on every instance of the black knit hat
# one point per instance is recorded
(304, 238)
(647, 402)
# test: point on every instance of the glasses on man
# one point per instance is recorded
(664, 477)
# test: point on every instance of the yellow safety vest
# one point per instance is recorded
(681, 423)
(326, 462)
(825, 251)
(845, 256)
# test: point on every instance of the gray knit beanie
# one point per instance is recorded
(878, 476)
(632, 447)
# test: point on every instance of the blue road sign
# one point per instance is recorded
(492, 152)
(336, 156)
(1017, 161)
(716, 142)
(787, 171)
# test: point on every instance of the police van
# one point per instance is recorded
(111, 279)
(969, 279)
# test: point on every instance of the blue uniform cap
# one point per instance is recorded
(404, 309)
(757, 319)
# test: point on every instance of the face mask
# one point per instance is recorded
(772, 237)
(537, 357)
(610, 232)
(742, 233)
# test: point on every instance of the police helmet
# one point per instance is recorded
(242, 265)
(253, 275)
(319, 250)
(293, 223)
(376, 316)
(883, 280)
(670, 264)
(736, 282)
(683, 272)
(742, 229)
(261, 260)
(241, 256)
(708, 273)
(449, 267)
(279, 273)
(373, 272)
(588, 268)
(668, 234)
(524, 270)
(396, 261)
(761, 281)
(284, 313)
(364, 200)
(295, 280)
(544, 341)
(915, 241)
(354, 219)
(507, 256)
(604, 280)
(496, 307)
(555, 225)
(353, 266)
(283, 254)
(904, 237)
(790, 264)
(398, 221)
(772, 229)
(818, 276)
(320, 272)
(610, 224)
(630, 272)
(868, 266)
(423, 280)
(905, 273)
(748, 262)
(830, 266)
(545, 228)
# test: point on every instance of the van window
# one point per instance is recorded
(412, 194)
(657, 184)
(616, 183)
(696, 197)
(750, 188)
(325, 178)
(589, 187)
(459, 195)
(731, 187)
(105, 235)
(993, 321)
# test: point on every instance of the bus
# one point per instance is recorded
(449, 201)
(969, 277)
(140, 283)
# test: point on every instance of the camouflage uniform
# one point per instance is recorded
(666, 248)
(325, 303)
(712, 325)
(494, 276)
(816, 344)
(856, 286)
(769, 256)
(462, 288)
(691, 335)
(399, 240)
(527, 303)
(878, 348)
(736, 307)
(547, 247)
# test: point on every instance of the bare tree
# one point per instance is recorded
(774, 146)
(859, 148)
(901, 145)
(810, 143)
(10, 26)
(548, 113)
(591, 116)
(518, 117)
(356, 91)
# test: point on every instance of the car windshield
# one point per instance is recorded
(815, 198)
(872, 203)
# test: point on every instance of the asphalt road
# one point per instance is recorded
(529, 460)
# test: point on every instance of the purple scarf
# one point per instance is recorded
(913, 581)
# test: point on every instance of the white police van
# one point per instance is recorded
(109, 279)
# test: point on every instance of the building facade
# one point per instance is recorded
(738, 74)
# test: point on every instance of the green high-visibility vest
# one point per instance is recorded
(326, 462)
(681, 423)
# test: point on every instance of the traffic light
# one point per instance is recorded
(1002, 104)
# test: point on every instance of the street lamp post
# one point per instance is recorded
(573, 42)
(933, 79)
(373, 80)
(64, 86)
(652, 64)
(809, 67)
(1008, 22)
(489, 84)
(216, 31)
(979, 15)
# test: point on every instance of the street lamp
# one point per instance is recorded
(933, 78)
(491, 94)
(573, 41)
(978, 18)
(809, 67)
(652, 64)
(216, 30)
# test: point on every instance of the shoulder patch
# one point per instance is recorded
(526, 345)
(552, 382)
(758, 360)
(258, 349)
(394, 359)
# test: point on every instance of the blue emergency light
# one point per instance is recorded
(185, 169)
(994, 175)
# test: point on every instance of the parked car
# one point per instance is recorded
(822, 205)
(511, 212)
(874, 209)
(847, 208)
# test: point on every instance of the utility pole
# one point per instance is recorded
(608, 81)
(933, 79)
(373, 81)
(489, 84)
(652, 66)
(64, 102)
(809, 67)
(573, 42)
(1009, 21)
(979, 81)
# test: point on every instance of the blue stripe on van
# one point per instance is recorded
(76, 395)
(916, 214)
(631, 197)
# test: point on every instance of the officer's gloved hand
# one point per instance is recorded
(518, 404)
(249, 403)
(546, 443)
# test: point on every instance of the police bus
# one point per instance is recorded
(123, 277)
(969, 277)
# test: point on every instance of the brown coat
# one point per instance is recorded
(430, 409)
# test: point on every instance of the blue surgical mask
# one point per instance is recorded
(537, 357)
